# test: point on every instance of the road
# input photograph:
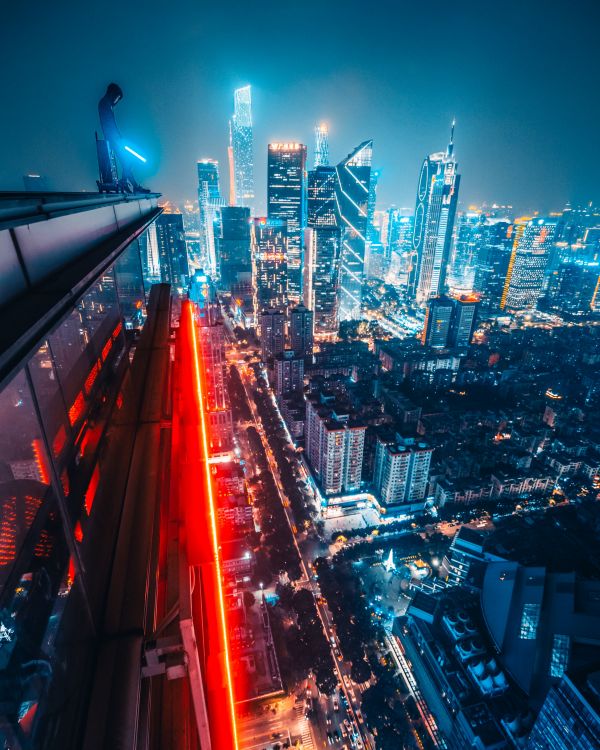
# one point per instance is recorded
(347, 687)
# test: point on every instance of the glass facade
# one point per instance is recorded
(54, 414)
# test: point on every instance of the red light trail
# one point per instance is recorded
(197, 500)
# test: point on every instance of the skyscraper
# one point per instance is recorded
(401, 470)
(532, 240)
(286, 201)
(438, 319)
(324, 244)
(172, 250)
(352, 195)
(235, 257)
(437, 196)
(463, 321)
(242, 147)
(301, 331)
(269, 261)
(209, 201)
(272, 332)
(468, 235)
(321, 146)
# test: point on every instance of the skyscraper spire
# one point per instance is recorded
(451, 144)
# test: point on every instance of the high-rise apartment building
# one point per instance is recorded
(531, 243)
(286, 201)
(437, 197)
(272, 333)
(235, 253)
(334, 445)
(288, 373)
(321, 146)
(301, 330)
(401, 472)
(269, 261)
(209, 202)
(241, 151)
(352, 193)
(324, 244)
(172, 250)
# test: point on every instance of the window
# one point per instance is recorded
(560, 655)
(529, 621)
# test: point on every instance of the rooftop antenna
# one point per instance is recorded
(451, 144)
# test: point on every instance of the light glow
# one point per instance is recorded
(135, 153)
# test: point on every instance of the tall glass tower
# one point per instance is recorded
(321, 146)
(286, 201)
(437, 196)
(209, 200)
(324, 243)
(242, 147)
(352, 196)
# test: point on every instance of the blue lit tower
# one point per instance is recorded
(437, 196)
(242, 147)
(352, 195)
(324, 245)
(321, 146)
(269, 261)
(209, 200)
(286, 201)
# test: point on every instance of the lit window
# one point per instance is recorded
(529, 621)
(560, 655)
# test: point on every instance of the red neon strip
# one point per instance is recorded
(40, 460)
(202, 537)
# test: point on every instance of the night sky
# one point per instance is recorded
(521, 78)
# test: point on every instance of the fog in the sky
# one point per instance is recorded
(521, 79)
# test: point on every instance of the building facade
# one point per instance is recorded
(209, 202)
(437, 197)
(352, 195)
(301, 331)
(286, 201)
(401, 473)
(242, 148)
(172, 250)
(235, 253)
(269, 262)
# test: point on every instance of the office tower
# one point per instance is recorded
(235, 254)
(531, 240)
(570, 715)
(242, 147)
(301, 331)
(150, 257)
(468, 235)
(272, 332)
(463, 319)
(438, 319)
(172, 251)
(401, 472)
(399, 249)
(334, 445)
(269, 261)
(352, 192)
(324, 243)
(321, 146)
(209, 202)
(573, 290)
(491, 264)
(288, 373)
(437, 196)
(286, 201)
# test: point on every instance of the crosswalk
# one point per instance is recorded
(307, 740)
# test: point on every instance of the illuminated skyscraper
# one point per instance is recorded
(209, 200)
(324, 243)
(235, 256)
(468, 236)
(321, 146)
(532, 240)
(172, 250)
(437, 196)
(352, 196)
(269, 260)
(286, 201)
(491, 266)
(242, 147)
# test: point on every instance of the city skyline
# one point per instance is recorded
(404, 102)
